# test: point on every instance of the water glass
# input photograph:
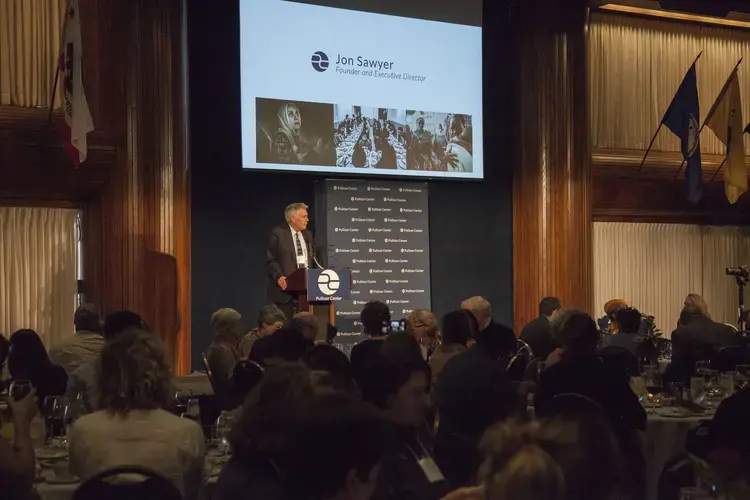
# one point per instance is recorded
(19, 389)
(697, 389)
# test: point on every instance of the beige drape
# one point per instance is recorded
(38, 279)
(636, 66)
(29, 43)
(654, 266)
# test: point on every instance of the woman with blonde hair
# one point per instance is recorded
(423, 326)
(695, 300)
(131, 426)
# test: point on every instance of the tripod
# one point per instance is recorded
(742, 320)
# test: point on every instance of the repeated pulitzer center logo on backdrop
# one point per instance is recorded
(379, 230)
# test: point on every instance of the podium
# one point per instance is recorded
(317, 290)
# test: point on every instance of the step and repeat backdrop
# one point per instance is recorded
(379, 230)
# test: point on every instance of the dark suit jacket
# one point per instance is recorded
(538, 334)
(281, 259)
(697, 341)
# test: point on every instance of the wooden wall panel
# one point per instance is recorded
(552, 181)
(137, 234)
(657, 192)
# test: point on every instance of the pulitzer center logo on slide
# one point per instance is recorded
(320, 61)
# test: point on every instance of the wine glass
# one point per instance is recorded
(223, 427)
(743, 376)
(19, 389)
(638, 385)
(55, 410)
(653, 381)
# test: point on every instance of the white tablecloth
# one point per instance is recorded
(56, 491)
(663, 440)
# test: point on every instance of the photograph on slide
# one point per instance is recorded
(367, 137)
(294, 132)
(438, 142)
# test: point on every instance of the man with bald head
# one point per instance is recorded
(500, 339)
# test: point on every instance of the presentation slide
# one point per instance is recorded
(358, 86)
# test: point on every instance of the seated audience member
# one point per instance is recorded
(223, 353)
(501, 334)
(82, 383)
(327, 358)
(396, 380)
(553, 460)
(458, 328)
(608, 323)
(17, 461)
(284, 346)
(305, 323)
(132, 427)
(472, 393)
(261, 438)
(336, 451)
(697, 339)
(727, 454)
(85, 345)
(629, 322)
(576, 368)
(538, 333)
(423, 325)
(695, 300)
(270, 319)
(376, 325)
(28, 360)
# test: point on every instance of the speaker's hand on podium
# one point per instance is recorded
(282, 283)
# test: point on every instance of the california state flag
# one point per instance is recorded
(75, 106)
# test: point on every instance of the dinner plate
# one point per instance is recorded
(63, 480)
(50, 454)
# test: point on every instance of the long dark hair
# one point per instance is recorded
(27, 355)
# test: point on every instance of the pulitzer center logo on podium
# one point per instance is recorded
(324, 285)
(320, 61)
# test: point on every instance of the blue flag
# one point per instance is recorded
(682, 119)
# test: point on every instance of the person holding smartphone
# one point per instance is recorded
(17, 461)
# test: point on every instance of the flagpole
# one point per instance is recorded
(57, 63)
(718, 169)
(732, 75)
(661, 123)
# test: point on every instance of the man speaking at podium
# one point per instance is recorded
(290, 247)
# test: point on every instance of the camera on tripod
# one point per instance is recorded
(739, 272)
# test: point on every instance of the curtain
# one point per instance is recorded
(655, 266)
(38, 275)
(30, 33)
(636, 66)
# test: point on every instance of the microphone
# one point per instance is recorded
(317, 263)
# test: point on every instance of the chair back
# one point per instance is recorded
(571, 405)
(620, 361)
(246, 375)
(208, 371)
(520, 360)
(531, 374)
(127, 483)
(727, 358)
